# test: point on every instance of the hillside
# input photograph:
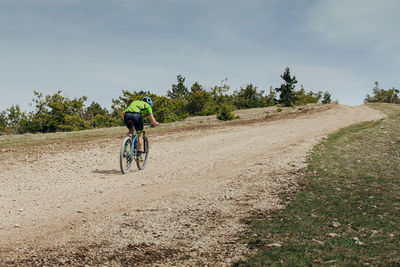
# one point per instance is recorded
(66, 202)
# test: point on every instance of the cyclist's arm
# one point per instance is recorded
(153, 120)
(123, 114)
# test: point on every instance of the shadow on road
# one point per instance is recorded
(107, 172)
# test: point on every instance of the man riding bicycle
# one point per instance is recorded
(134, 113)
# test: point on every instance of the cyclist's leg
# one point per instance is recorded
(140, 142)
(138, 122)
(128, 120)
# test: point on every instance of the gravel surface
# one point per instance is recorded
(67, 203)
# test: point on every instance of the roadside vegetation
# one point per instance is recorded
(383, 96)
(347, 212)
(58, 113)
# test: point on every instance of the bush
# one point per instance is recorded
(303, 98)
(383, 96)
(249, 97)
(200, 103)
(279, 109)
(225, 113)
(3, 121)
(327, 98)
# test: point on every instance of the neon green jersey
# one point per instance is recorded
(139, 106)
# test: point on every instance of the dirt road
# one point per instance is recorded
(69, 204)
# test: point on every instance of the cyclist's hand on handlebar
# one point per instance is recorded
(152, 126)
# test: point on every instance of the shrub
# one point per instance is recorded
(327, 98)
(201, 103)
(303, 98)
(225, 113)
(249, 97)
(383, 96)
(3, 121)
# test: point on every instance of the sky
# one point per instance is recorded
(97, 48)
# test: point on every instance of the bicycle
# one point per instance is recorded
(129, 150)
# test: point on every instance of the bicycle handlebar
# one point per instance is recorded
(150, 126)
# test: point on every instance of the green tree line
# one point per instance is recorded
(383, 96)
(55, 113)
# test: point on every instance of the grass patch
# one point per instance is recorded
(348, 213)
(43, 138)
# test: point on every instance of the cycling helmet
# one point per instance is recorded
(148, 100)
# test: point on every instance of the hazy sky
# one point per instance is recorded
(97, 48)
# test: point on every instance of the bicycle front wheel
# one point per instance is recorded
(142, 164)
(125, 158)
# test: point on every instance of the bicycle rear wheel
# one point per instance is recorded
(125, 158)
(142, 165)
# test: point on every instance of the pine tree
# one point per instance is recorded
(179, 89)
(287, 89)
(327, 98)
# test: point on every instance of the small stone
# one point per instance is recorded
(357, 241)
(334, 224)
(277, 245)
(17, 225)
(79, 211)
(318, 241)
(332, 235)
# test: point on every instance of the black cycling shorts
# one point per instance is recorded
(137, 120)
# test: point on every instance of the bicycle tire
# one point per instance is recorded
(142, 165)
(125, 159)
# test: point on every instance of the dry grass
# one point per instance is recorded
(199, 122)
(348, 213)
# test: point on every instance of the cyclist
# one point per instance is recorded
(135, 113)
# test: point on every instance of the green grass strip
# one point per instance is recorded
(348, 213)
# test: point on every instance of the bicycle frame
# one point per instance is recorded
(134, 135)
